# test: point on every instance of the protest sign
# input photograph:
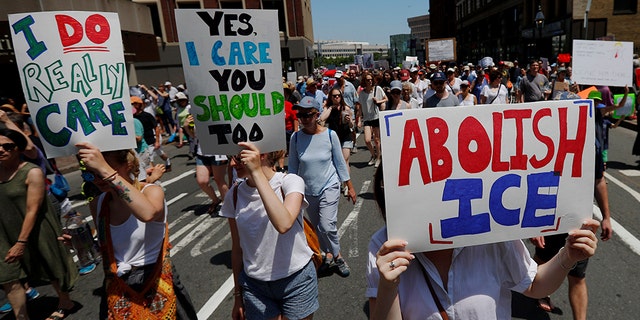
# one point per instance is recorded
(441, 49)
(602, 63)
(629, 105)
(462, 176)
(74, 79)
(232, 66)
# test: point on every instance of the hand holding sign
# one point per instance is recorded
(581, 244)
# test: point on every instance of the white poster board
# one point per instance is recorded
(602, 63)
(74, 79)
(463, 176)
(441, 49)
(232, 66)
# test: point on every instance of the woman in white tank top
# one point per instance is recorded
(465, 96)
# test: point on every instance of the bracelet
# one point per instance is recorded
(562, 265)
(237, 293)
(22, 241)
(111, 177)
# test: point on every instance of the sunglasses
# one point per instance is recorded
(336, 95)
(235, 158)
(306, 115)
(8, 146)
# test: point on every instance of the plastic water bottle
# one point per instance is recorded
(81, 238)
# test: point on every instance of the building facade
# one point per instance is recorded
(399, 48)
(294, 24)
(343, 49)
(420, 30)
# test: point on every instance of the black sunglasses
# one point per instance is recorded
(234, 157)
(306, 115)
(8, 146)
(336, 95)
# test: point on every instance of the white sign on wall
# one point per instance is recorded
(74, 79)
(602, 63)
(232, 66)
(462, 176)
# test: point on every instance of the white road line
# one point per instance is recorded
(170, 181)
(212, 304)
(632, 242)
(202, 227)
(176, 198)
(626, 188)
(184, 229)
(197, 248)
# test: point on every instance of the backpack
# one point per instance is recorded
(309, 231)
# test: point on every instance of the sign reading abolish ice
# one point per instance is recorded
(465, 176)
(74, 80)
(231, 61)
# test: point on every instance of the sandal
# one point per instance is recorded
(60, 314)
(545, 304)
(214, 207)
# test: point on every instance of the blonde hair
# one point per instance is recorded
(128, 157)
(274, 156)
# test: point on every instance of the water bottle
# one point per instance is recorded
(81, 238)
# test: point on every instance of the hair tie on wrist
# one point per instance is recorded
(22, 241)
(111, 177)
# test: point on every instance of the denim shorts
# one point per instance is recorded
(209, 161)
(295, 297)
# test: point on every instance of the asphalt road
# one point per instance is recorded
(201, 248)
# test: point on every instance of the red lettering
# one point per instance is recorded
(441, 160)
(497, 165)
(97, 28)
(68, 39)
(519, 160)
(471, 130)
(575, 146)
(546, 140)
(412, 133)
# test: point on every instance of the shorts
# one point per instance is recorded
(295, 297)
(372, 123)
(347, 144)
(552, 246)
(209, 161)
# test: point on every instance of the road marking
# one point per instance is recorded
(184, 229)
(626, 188)
(202, 227)
(176, 198)
(214, 302)
(630, 173)
(170, 181)
(352, 219)
(632, 242)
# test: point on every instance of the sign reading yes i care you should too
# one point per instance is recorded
(465, 176)
(73, 75)
(231, 61)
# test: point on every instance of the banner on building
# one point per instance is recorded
(74, 79)
(456, 177)
(602, 63)
(232, 66)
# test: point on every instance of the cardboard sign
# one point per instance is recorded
(604, 63)
(629, 106)
(441, 49)
(463, 176)
(74, 79)
(232, 66)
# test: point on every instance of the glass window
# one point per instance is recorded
(231, 5)
(277, 5)
(625, 6)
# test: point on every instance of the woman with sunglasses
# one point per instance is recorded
(395, 93)
(131, 218)
(495, 92)
(337, 116)
(272, 269)
(315, 155)
(372, 100)
(29, 229)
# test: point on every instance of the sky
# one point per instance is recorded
(371, 21)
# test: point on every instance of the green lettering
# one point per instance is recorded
(264, 111)
(79, 81)
(237, 105)
(105, 88)
(217, 108)
(94, 108)
(252, 111)
(88, 67)
(118, 84)
(75, 114)
(206, 114)
(277, 99)
(35, 86)
(117, 128)
(56, 77)
(57, 139)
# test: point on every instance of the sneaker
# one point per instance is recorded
(341, 267)
(171, 138)
(32, 294)
(6, 308)
(354, 150)
(372, 161)
(326, 268)
(86, 270)
(377, 163)
(167, 168)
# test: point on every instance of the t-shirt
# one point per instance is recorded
(369, 109)
(495, 95)
(290, 116)
(433, 101)
(268, 255)
(142, 145)
(149, 125)
(533, 87)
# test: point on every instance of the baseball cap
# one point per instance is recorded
(438, 76)
(136, 99)
(432, 66)
(168, 83)
(308, 103)
(300, 79)
(395, 85)
(413, 69)
(451, 70)
(311, 81)
(338, 74)
(466, 68)
(464, 83)
(404, 75)
(181, 96)
(595, 95)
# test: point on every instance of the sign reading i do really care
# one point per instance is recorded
(231, 61)
(73, 75)
(463, 176)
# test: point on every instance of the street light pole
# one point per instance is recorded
(539, 25)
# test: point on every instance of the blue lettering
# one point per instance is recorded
(536, 201)
(464, 190)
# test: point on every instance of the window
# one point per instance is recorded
(155, 19)
(625, 6)
(231, 5)
(277, 5)
(188, 5)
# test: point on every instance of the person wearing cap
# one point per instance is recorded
(533, 86)
(560, 84)
(315, 154)
(465, 96)
(312, 91)
(419, 87)
(452, 83)
(164, 104)
(349, 93)
(395, 98)
(371, 101)
(171, 90)
(442, 97)
(182, 110)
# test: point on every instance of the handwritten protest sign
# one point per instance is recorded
(605, 63)
(231, 61)
(629, 105)
(464, 176)
(74, 79)
(441, 49)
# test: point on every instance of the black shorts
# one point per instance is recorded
(372, 123)
(552, 245)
